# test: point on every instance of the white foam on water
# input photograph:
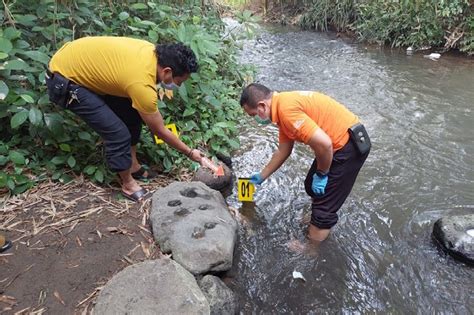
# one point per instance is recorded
(470, 232)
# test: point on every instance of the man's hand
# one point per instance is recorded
(257, 179)
(319, 184)
(196, 155)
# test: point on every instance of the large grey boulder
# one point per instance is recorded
(152, 287)
(221, 299)
(456, 235)
(192, 221)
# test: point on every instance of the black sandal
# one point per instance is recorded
(137, 196)
(139, 174)
(5, 246)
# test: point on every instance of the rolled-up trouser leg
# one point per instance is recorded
(122, 107)
(345, 166)
(95, 112)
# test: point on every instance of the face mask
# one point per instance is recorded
(169, 86)
(262, 121)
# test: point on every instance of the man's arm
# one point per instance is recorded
(155, 123)
(278, 158)
(322, 147)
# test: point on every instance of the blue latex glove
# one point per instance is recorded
(256, 179)
(319, 184)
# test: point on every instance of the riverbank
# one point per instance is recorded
(68, 241)
(423, 25)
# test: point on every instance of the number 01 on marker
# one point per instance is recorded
(245, 189)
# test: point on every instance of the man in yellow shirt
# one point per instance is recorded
(340, 144)
(110, 82)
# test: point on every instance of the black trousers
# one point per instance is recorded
(112, 117)
(345, 167)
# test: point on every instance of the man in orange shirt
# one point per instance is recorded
(110, 83)
(340, 143)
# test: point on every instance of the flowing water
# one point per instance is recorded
(380, 257)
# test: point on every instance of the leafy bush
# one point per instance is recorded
(398, 23)
(322, 14)
(37, 140)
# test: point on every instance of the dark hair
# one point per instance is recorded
(180, 58)
(253, 94)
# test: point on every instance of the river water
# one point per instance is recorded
(380, 257)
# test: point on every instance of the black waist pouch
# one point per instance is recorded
(360, 138)
(57, 88)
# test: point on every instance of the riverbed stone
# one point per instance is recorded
(220, 183)
(456, 235)
(221, 299)
(192, 221)
(159, 286)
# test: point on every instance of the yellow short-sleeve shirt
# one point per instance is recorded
(118, 66)
(299, 114)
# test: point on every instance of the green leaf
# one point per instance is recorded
(139, 6)
(35, 116)
(58, 160)
(27, 98)
(11, 33)
(54, 123)
(167, 164)
(183, 92)
(123, 15)
(17, 158)
(20, 189)
(65, 178)
(3, 55)
(43, 100)
(85, 135)
(3, 90)
(27, 19)
(5, 45)
(233, 143)
(3, 160)
(3, 179)
(90, 169)
(10, 183)
(189, 112)
(18, 119)
(37, 56)
(71, 161)
(99, 176)
(16, 64)
(65, 147)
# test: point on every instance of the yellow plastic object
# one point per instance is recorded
(170, 127)
(245, 189)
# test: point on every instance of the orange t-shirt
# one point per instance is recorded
(299, 114)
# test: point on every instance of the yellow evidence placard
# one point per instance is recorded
(245, 189)
(170, 127)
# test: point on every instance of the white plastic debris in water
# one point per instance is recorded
(410, 50)
(298, 275)
(433, 56)
(469, 232)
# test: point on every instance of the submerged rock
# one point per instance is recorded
(221, 299)
(152, 287)
(198, 230)
(456, 235)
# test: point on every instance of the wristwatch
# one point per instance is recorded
(321, 173)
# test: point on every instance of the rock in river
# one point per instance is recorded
(192, 221)
(456, 235)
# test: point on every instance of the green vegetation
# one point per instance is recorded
(416, 23)
(39, 141)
